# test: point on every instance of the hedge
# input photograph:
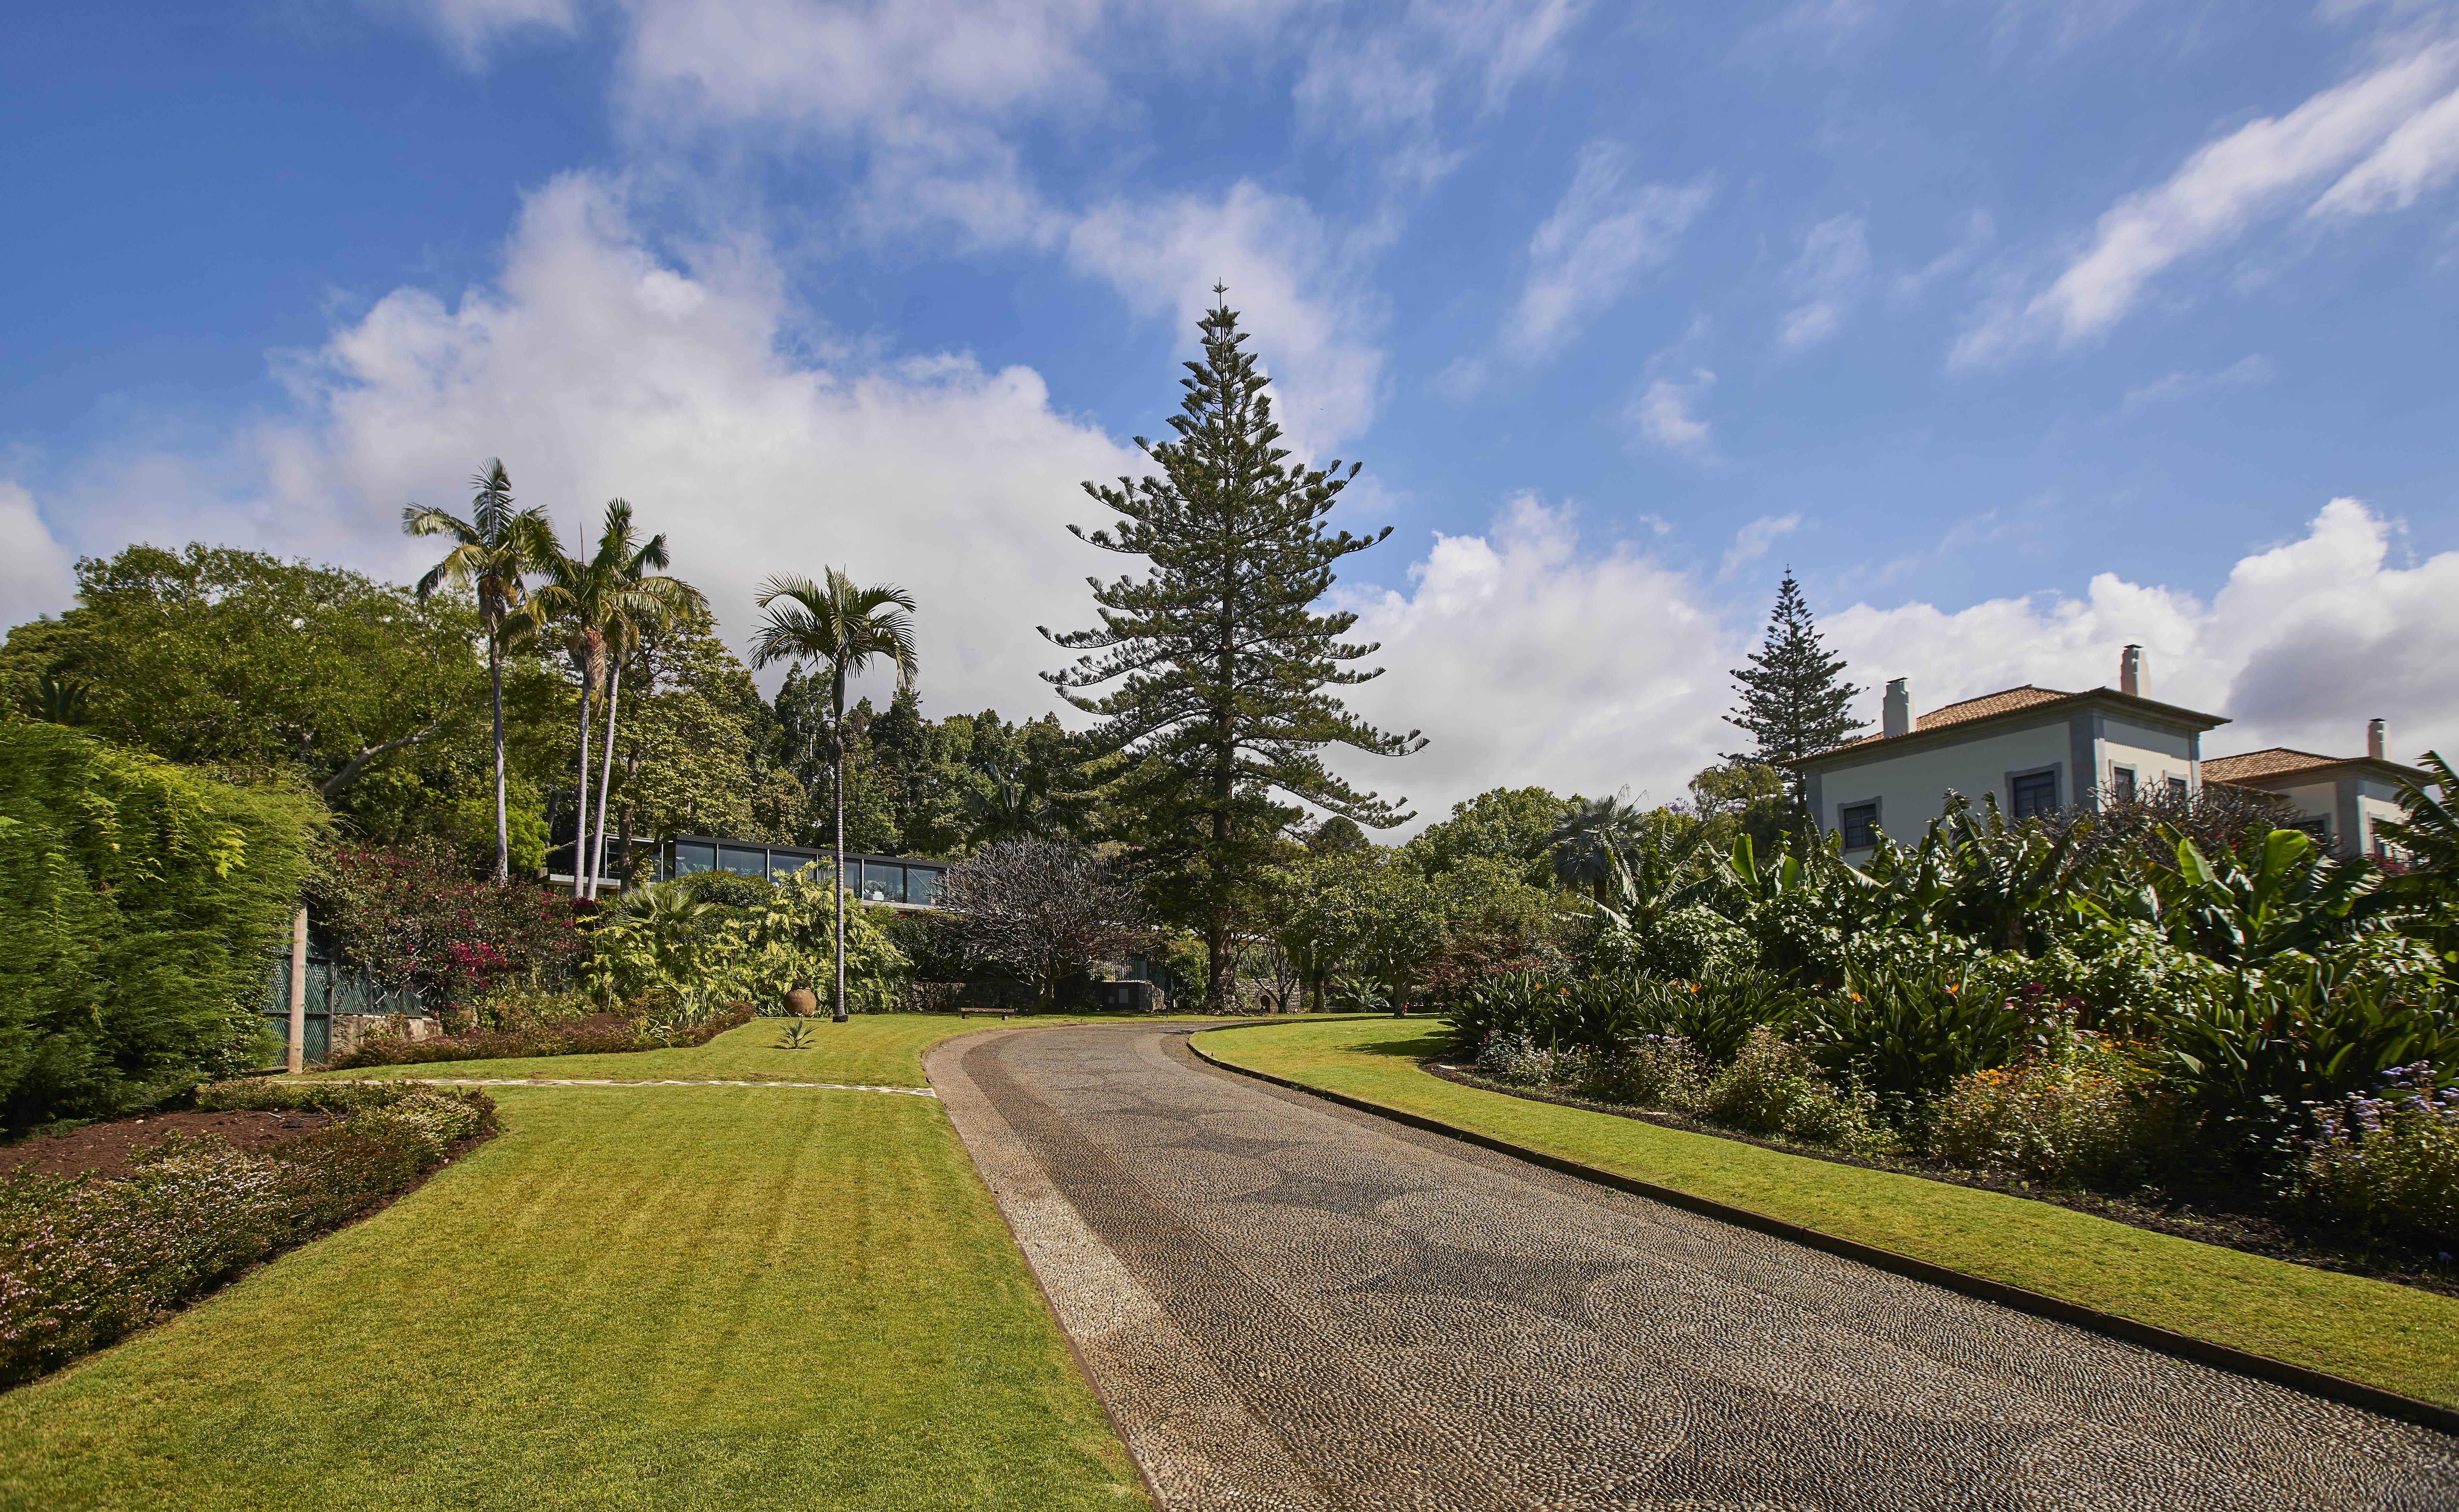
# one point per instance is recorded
(521, 1044)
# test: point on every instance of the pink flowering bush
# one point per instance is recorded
(2388, 1161)
(84, 1261)
(415, 917)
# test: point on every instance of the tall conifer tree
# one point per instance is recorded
(1793, 696)
(1222, 664)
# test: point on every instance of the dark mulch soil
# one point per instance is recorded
(2217, 1218)
(110, 1150)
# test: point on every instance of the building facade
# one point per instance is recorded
(2337, 799)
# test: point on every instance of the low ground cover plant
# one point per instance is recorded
(84, 1261)
(597, 1037)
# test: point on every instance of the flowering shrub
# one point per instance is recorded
(1516, 1060)
(1656, 1071)
(414, 917)
(2389, 1162)
(1774, 1088)
(2084, 1115)
(84, 1261)
(518, 1044)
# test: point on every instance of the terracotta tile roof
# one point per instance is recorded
(1989, 704)
(2270, 762)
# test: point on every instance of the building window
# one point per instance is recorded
(742, 861)
(2036, 795)
(691, 858)
(2319, 825)
(2177, 789)
(1860, 823)
(2121, 784)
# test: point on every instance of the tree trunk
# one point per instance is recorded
(581, 811)
(605, 775)
(496, 689)
(836, 758)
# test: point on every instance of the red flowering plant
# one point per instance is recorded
(414, 916)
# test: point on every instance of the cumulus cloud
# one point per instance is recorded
(2393, 124)
(1291, 279)
(1827, 279)
(597, 368)
(1603, 233)
(1529, 655)
(34, 567)
(2303, 644)
(1663, 416)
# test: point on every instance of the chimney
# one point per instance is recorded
(2134, 676)
(2375, 739)
(1898, 720)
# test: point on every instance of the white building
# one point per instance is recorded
(2036, 749)
(2337, 799)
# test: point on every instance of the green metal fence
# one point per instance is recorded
(332, 988)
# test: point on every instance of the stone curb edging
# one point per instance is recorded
(577, 1081)
(2021, 1299)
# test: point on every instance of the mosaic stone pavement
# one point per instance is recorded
(1288, 1304)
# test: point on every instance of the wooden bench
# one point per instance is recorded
(966, 1011)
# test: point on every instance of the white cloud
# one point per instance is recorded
(34, 567)
(1751, 542)
(2303, 645)
(1663, 417)
(1601, 235)
(598, 369)
(2256, 171)
(1463, 378)
(1827, 279)
(2245, 370)
(1291, 281)
(2421, 156)
(1389, 78)
(472, 30)
(1529, 656)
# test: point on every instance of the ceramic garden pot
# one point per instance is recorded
(802, 1002)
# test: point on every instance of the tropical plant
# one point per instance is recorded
(844, 629)
(600, 605)
(494, 552)
(1221, 710)
(1588, 840)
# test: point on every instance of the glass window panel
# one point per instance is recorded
(2177, 786)
(690, 858)
(742, 861)
(922, 883)
(2036, 796)
(882, 882)
(1860, 825)
(783, 864)
(2121, 783)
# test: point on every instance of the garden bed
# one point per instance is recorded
(153, 1222)
(113, 1149)
(598, 1033)
(2208, 1218)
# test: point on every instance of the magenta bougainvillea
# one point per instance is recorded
(413, 916)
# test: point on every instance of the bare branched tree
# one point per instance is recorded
(1045, 909)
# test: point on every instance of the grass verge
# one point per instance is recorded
(866, 1049)
(2391, 1337)
(691, 1297)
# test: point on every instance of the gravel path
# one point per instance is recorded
(1287, 1304)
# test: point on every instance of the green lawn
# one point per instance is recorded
(868, 1049)
(2387, 1335)
(668, 1297)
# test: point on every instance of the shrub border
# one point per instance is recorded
(2023, 1299)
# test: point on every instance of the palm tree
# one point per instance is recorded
(493, 550)
(598, 602)
(845, 629)
(631, 618)
(1589, 838)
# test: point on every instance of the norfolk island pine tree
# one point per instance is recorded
(1220, 660)
(1793, 696)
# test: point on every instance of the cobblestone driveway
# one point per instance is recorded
(1287, 1304)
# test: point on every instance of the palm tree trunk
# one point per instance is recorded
(503, 828)
(836, 755)
(605, 775)
(581, 811)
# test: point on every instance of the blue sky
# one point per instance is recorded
(2020, 329)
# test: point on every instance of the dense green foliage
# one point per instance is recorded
(1220, 712)
(84, 1261)
(676, 946)
(142, 903)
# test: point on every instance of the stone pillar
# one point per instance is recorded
(299, 991)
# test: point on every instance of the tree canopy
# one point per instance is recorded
(1793, 697)
(1220, 712)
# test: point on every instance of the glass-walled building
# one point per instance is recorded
(898, 880)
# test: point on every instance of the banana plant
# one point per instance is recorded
(2271, 896)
